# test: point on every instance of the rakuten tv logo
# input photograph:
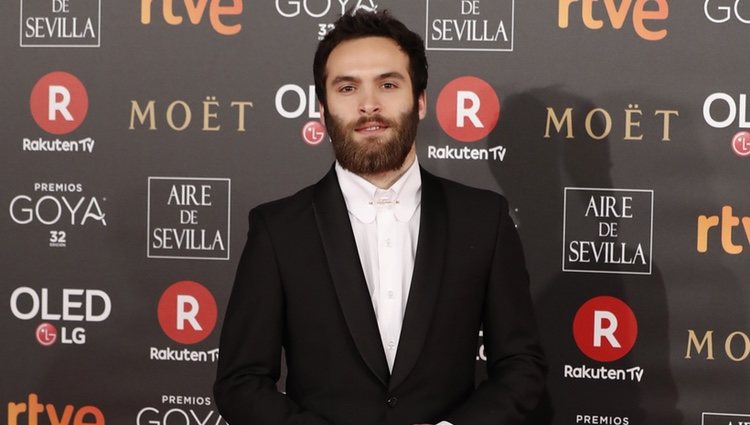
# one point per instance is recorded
(605, 329)
(468, 109)
(59, 102)
(187, 312)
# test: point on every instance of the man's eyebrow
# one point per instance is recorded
(344, 79)
(384, 76)
(392, 74)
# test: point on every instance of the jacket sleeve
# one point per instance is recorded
(515, 361)
(251, 339)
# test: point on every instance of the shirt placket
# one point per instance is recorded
(389, 288)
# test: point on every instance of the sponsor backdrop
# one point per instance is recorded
(137, 134)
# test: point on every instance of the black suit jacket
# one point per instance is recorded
(300, 284)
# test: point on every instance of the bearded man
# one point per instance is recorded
(377, 279)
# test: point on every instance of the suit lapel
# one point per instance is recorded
(426, 279)
(346, 271)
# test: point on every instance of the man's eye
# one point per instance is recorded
(389, 86)
(346, 89)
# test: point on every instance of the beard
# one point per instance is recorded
(374, 154)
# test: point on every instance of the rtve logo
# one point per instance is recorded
(468, 109)
(605, 329)
(195, 11)
(640, 11)
(30, 412)
(725, 224)
(187, 312)
(59, 102)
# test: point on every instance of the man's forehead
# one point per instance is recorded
(379, 55)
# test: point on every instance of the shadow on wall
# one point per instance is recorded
(533, 177)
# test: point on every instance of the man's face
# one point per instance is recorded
(371, 115)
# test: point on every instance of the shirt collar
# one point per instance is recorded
(361, 196)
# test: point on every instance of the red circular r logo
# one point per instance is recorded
(605, 329)
(468, 109)
(59, 102)
(187, 312)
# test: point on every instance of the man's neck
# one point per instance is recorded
(386, 179)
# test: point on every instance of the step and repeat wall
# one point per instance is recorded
(137, 134)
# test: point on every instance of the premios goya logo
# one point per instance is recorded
(62, 210)
(188, 218)
(187, 314)
(645, 16)
(65, 313)
(32, 412)
(605, 329)
(322, 12)
(727, 11)
(179, 410)
(60, 23)
(470, 25)
(607, 230)
(59, 104)
(222, 15)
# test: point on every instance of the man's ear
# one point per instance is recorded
(422, 104)
(322, 114)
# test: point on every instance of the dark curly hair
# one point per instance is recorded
(360, 24)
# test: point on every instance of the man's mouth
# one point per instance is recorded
(371, 127)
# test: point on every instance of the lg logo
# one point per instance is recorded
(292, 101)
(468, 109)
(187, 312)
(59, 102)
(605, 329)
(722, 110)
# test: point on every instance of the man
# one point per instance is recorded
(377, 279)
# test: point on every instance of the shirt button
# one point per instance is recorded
(391, 401)
(388, 242)
(390, 294)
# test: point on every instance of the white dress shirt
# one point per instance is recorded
(386, 228)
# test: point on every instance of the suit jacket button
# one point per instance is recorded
(391, 402)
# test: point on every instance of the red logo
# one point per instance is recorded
(605, 329)
(468, 109)
(313, 132)
(46, 334)
(187, 312)
(741, 143)
(59, 102)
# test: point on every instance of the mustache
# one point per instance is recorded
(375, 117)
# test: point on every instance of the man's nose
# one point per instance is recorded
(369, 103)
